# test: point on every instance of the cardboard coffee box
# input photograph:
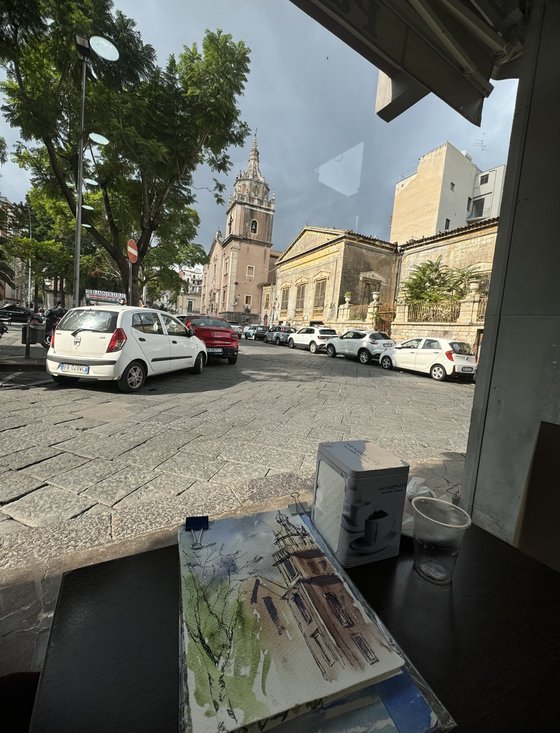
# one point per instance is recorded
(358, 502)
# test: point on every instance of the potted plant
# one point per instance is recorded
(347, 295)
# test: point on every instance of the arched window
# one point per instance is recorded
(254, 226)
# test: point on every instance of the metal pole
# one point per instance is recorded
(29, 293)
(78, 239)
(129, 282)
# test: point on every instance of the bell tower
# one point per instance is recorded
(240, 259)
(250, 213)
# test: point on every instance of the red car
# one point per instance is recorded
(221, 340)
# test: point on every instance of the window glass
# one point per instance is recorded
(348, 335)
(319, 299)
(174, 328)
(89, 320)
(378, 335)
(359, 335)
(412, 344)
(285, 295)
(460, 347)
(484, 179)
(209, 321)
(151, 323)
(300, 297)
(327, 332)
(250, 271)
(431, 344)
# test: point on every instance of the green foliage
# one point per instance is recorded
(162, 123)
(433, 282)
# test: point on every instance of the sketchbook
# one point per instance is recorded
(272, 630)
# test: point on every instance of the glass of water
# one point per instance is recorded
(439, 528)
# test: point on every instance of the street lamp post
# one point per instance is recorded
(105, 50)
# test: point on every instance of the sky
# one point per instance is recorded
(329, 160)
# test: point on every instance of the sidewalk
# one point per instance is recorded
(12, 353)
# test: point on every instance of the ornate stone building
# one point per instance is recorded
(239, 262)
(323, 267)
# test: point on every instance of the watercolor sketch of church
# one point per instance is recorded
(270, 628)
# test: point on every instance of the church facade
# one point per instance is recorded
(242, 262)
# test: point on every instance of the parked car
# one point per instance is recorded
(221, 340)
(260, 332)
(249, 331)
(278, 335)
(237, 327)
(14, 313)
(313, 338)
(122, 344)
(362, 345)
(438, 357)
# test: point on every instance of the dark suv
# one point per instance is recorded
(219, 337)
(260, 333)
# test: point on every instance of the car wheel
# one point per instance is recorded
(231, 359)
(438, 373)
(198, 364)
(364, 356)
(386, 362)
(133, 377)
(277, 342)
(63, 381)
(291, 343)
(331, 351)
(313, 347)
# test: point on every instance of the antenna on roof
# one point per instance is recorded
(481, 144)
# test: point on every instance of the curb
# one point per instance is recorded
(31, 365)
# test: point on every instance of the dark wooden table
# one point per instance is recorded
(488, 645)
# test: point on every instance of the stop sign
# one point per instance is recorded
(132, 250)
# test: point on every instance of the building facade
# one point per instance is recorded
(448, 191)
(239, 262)
(324, 267)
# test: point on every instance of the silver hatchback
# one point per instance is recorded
(361, 345)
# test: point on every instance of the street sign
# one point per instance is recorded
(132, 250)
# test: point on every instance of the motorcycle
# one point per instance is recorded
(51, 319)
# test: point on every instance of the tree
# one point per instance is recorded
(161, 123)
(433, 282)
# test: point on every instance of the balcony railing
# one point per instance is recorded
(444, 312)
(358, 312)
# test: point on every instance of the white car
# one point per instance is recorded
(122, 344)
(438, 357)
(313, 338)
(362, 345)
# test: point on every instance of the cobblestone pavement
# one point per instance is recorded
(86, 465)
(88, 473)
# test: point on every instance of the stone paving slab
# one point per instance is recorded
(48, 505)
(85, 475)
(15, 484)
(200, 498)
(114, 488)
(192, 466)
(29, 456)
(234, 472)
(162, 488)
(53, 466)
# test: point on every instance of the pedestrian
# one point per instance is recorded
(122, 301)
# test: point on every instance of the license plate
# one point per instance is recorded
(75, 368)
(214, 351)
(467, 369)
